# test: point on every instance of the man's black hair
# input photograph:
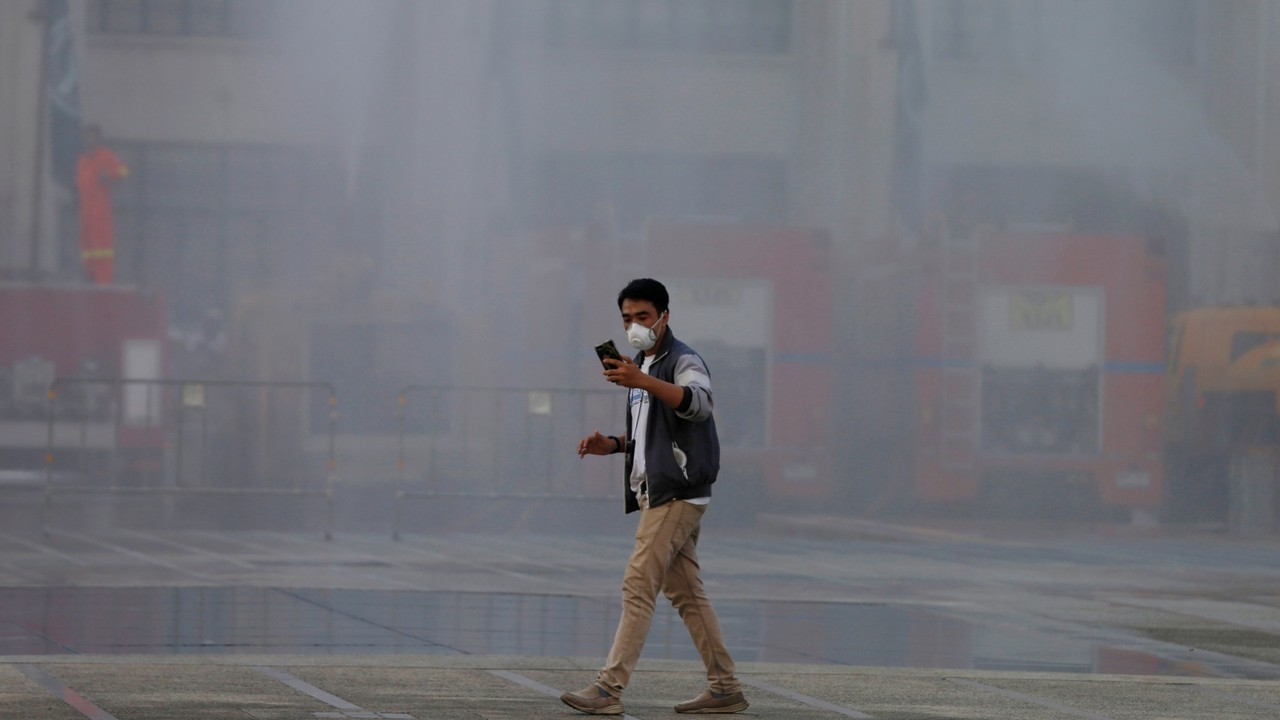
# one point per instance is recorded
(646, 289)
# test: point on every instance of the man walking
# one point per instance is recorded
(672, 457)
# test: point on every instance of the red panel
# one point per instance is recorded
(929, 322)
(67, 324)
(934, 481)
(1133, 412)
(801, 394)
(1133, 437)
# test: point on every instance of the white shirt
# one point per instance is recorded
(639, 404)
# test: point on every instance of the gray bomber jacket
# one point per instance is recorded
(682, 448)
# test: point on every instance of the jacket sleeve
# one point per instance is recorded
(692, 376)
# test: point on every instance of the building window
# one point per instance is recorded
(700, 26)
(973, 30)
(208, 18)
(1163, 29)
(987, 31)
(199, 221)
(568, 187)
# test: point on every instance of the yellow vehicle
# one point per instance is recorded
(1222, 397)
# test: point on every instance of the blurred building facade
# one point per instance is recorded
(359, 145)
(1145, 116)
(276, 138)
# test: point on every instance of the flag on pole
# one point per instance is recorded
(62, 76)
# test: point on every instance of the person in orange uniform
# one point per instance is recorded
(96, 169)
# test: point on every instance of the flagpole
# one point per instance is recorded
(37, 194)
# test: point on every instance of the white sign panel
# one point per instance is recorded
(141, 361)
(1051, 326)
(735, 311)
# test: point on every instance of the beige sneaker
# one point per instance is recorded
(709, 702)
(593, 700)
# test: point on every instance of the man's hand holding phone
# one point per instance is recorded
(607, 351)
(625, 372)
(618, 368)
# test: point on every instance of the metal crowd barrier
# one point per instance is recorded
(112, 436)
(501, 443)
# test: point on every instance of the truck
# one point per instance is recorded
(1222, 404)
(1012, 373)
(757, 302)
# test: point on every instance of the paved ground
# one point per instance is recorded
(295, 687)
(827, 617)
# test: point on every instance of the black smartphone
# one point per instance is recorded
(607, 349)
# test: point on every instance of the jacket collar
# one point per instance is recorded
(664, 347)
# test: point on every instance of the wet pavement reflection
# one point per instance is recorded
(49, 621)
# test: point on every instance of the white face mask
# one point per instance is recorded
(643, 338)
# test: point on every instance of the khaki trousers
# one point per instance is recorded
(665, 558)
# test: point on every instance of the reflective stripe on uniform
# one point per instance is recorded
(97, 254)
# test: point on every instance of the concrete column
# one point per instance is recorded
(843, 159)
(21, 42)
(1251, 504)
